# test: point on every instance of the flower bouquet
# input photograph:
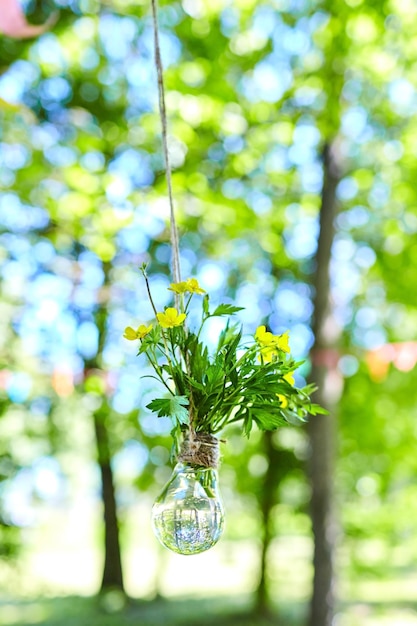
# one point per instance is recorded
(245, 381)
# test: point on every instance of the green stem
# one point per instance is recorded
(202, 324)
(171, 341)
(232, 421)
(154, 363)
(236, 394)
(149, 292)
(188, 302)
(148, 288)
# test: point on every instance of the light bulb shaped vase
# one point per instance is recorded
(188, 515)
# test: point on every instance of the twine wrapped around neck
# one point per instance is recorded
(202, 449)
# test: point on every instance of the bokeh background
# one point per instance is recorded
(277, 109)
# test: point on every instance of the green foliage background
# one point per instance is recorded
(254, 91)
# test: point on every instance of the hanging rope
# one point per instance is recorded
(176, 271)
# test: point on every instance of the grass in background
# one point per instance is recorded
(233, 611)
(108, 611)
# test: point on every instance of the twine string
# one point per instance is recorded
(202, 450)
(176, 271)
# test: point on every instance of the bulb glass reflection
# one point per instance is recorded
(188, 515)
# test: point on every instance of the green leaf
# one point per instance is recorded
(152, 339)
(294, 418)
(226, 309)
(230, 350)
(309, 389)
(316, 409)
(178, 376)
(214, 373)
(198, 357)
(174, 407)
(176, 442)
(195, 384)
(247, 423)
(268, 420)
(143, 268)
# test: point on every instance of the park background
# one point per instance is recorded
(292, 134)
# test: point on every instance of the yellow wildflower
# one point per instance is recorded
(140, 333)
(264, 337)
(194, 287)
(143, 330)
(283, 400)
(282, 342)
(191, 285)
(181, 287)
(268, 354)
(130, 334)
(289, 378)
(170, 318)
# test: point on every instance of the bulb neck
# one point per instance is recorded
(200, 449)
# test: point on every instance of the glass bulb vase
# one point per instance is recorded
(188, 515)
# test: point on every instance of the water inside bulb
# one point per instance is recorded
(188, 515)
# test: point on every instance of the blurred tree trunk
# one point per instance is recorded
(321, 428)
(280, 461)
(267, 501)
(112, 571)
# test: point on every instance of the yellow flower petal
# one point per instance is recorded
(282, 342)
(143, 330)
(289, 378)
(191, 285)
(130, 333)
(163, 320)
(268, 354)
(283, 400)
(170, 318)
(180, 319)
(264, 337)
(194, 287)
(181, 287)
